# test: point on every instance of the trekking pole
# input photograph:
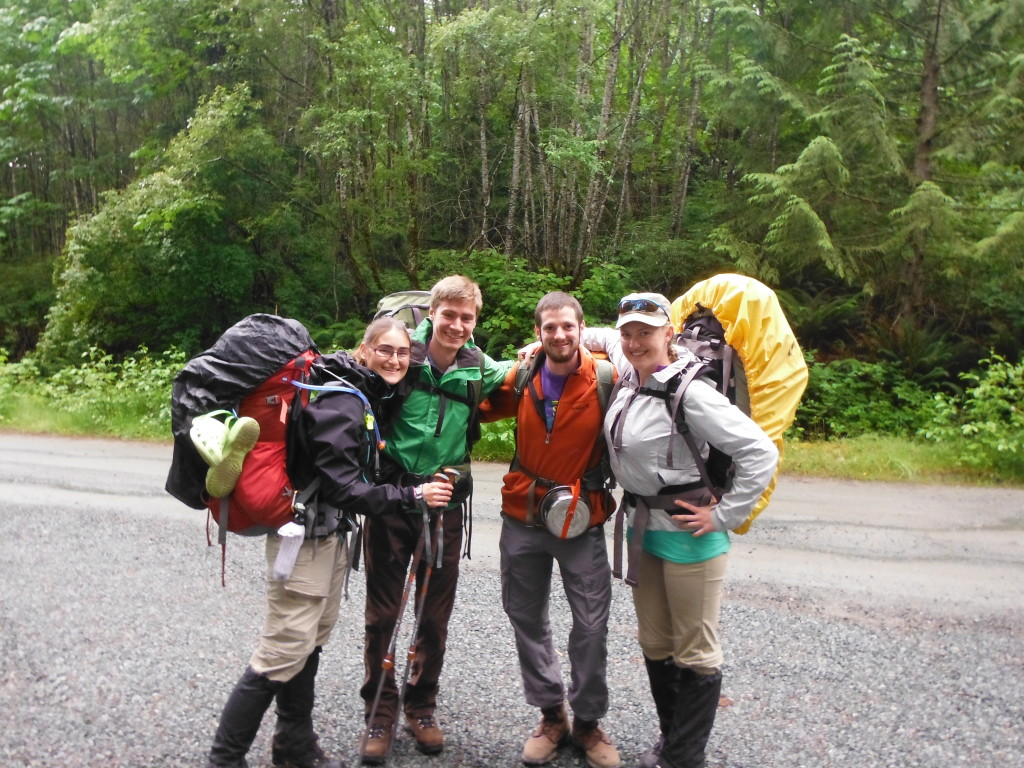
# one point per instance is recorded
(451, 475)
(388, 662)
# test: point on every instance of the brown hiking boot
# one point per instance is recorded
(543, 745)
(378, 743)
(429, 738)
(594, 742)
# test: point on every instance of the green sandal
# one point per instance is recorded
(242, 434)
(209, 433)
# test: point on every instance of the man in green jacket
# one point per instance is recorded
(447, 378)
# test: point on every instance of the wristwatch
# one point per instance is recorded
(417, 492)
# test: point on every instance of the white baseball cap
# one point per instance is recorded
(649, 308)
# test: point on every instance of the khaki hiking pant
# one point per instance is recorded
(301, 611)
(677, 610)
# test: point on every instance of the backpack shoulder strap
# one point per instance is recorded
(475, 394)
(692, 370)
(524, 377)
(605, 382)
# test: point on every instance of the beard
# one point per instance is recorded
(561, 354)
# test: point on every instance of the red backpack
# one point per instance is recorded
(249, 369)
(261, 501)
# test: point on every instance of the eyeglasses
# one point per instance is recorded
(385, 351)
(641, 305)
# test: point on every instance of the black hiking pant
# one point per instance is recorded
(390, 542)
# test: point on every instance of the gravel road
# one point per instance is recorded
(864, 625)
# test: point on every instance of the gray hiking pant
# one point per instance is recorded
(527, 556)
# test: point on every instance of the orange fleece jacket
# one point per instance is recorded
(574, 445)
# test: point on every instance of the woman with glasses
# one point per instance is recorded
(678, 536)
(340, 428)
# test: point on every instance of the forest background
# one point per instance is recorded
(169, 167)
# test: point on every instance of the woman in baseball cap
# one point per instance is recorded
(662, 417)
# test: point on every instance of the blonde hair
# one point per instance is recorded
(374, 331)
(456, 288)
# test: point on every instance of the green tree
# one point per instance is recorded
(183, 252)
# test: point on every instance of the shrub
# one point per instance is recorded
(846, 398)
(128, 398)
(512, 288)
(987, 421)
(497, 441)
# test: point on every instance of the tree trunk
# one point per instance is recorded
(517, 161)
(927, 120)
(597, 189)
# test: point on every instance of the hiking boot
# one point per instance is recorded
(429, 738)
(312, 757)
(378, 743)
(242, 436)
(550, 734)
(650, 758)
(598, 748)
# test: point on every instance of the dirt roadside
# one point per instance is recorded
(947, 549)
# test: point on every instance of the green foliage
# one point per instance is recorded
(341, 335)
(129, 398)
(653, 259)
(497, 441)
(846, 398)
(823, 319)
(880, 144)
(987, 421)
(600, 291)
(174, 258)
(511, 290)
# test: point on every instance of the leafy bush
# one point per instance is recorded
(987, 421)
(512, 288)
(497, 441)
(128, 398)
(846, 398)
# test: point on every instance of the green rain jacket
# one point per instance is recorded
(430, 432)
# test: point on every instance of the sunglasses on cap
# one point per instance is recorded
(641, 305)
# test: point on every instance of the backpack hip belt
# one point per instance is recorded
(642, 506)
(592, 480)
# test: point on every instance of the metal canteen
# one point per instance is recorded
(554, 508)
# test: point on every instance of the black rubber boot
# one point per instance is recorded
(695, 708)
(240, 720)
(664, 681)
(295, 743)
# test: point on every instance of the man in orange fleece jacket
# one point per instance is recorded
(557, 475)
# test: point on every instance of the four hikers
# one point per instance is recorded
(388, 434)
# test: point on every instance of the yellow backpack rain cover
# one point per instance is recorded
(756, 328)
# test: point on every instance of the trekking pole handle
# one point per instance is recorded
(449, 474)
